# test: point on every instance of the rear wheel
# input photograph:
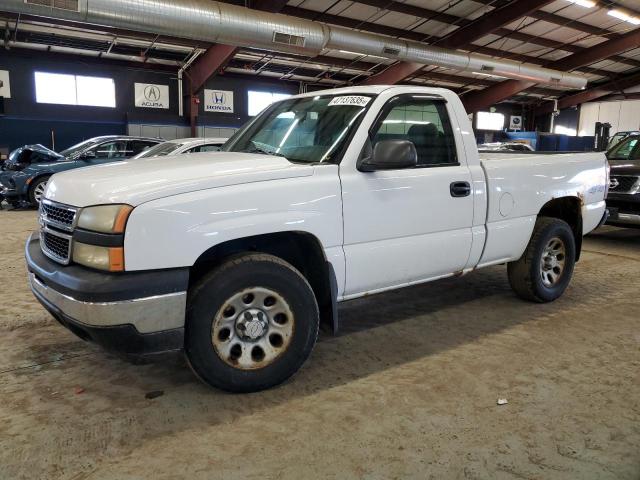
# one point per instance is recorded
(251, 323)
(545, 269)
(37, 189)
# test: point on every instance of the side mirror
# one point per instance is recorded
(390, 155)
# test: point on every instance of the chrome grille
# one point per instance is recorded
(623, 183)
(57, 222)
(58, 215)
(56, 246)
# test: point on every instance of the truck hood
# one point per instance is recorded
(142, 180)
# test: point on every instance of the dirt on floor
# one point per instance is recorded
(408, 389)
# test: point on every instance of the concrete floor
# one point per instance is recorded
(407, 390)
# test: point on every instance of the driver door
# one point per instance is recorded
(408, 225)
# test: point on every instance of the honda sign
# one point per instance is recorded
(218, 101)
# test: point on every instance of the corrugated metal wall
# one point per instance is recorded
(621, 114)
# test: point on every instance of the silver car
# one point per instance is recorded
(183, 145)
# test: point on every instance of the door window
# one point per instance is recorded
(138, 146)
(209, 148)
(425, 123)
(204, 148)
(117, 149)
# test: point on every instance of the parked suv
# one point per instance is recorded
(618, 137)
(27, 170)
(623, 199)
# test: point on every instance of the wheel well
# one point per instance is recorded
(300, 249)
(35, 179)
(569, 210)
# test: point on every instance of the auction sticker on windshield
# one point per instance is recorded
(356, 100)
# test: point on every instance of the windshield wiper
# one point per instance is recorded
(258, 147)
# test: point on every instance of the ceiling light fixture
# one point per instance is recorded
(624, 16)
(584, 3)
(362, 54)
(488, 75)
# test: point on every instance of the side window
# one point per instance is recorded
(423, 122)
(115, 149)
(204, 148)
(210, 148)
(135, 147)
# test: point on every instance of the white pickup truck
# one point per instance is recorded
(236, 257)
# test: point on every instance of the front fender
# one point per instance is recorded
(174, 231)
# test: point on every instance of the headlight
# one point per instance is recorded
(102, 219)
(102, 258)
(105, 218)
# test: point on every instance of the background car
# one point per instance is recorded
(623, 199)
(183, 145)
(618, 137)
(507, 147)
(26, 172)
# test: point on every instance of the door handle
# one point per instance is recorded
(460, 189)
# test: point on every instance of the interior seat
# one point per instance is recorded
(428, 142)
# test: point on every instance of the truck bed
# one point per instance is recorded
(520, 184)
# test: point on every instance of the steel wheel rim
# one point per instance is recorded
(253, 328)
(38, 192)
(552, 262)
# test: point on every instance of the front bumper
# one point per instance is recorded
(624, 209)
(7, 192)
(136, 312)
(621, 218)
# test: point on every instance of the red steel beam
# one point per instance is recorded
(428, 14)
(557, 19)
(208, 64)
(411, 35)
(217, 56)
(491, 21)
(475, 101)
(478, 28)
(214, 60)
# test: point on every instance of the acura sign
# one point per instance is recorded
(5, 90)
(218, 101)
(149, 95)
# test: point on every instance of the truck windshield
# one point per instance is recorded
(305, 130)
(627, 149)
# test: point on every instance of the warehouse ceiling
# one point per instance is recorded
(599, 39)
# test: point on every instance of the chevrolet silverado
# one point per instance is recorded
(236, 257)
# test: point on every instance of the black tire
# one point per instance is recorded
(525, 274)
(208, 297)
(33, 188)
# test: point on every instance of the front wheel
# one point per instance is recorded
(251, 323)
(545, 269)
(36, 190)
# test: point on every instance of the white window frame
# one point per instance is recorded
(105, 90)
(275, 97)
(490, 121)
